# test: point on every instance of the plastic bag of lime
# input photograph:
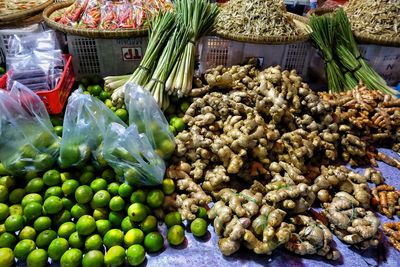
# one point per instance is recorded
(131, 156)
(85, 123)
(144, 111)
(27, 140)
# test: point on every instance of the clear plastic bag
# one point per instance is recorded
(132, 157)
(27, 140)
(85, 122)
(91, 16)
(109, 16)
(73, 14)
(144, 111)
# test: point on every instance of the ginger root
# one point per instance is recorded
(311, 237)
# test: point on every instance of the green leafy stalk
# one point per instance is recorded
(198, 16)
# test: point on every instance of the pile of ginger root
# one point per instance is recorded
(261, 148)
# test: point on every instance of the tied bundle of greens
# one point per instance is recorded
(168, 64)
(345, 67)
(198, 16)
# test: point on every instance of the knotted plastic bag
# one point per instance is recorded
(131, 156)
(85, 123)
(27, 140)
(144, 111)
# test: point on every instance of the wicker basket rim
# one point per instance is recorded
(91, 33)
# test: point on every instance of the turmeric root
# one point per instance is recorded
(392, 230)
(386, 198)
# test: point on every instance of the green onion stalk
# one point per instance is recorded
(170, 54)
(350, 57)
(323, 35)
(160, 30)
(198, 16)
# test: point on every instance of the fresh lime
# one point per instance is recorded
(67, 203)
(57, 248)
(113, 188)
(149, 224)
(78, 210)
(53, 191)
(176, 235)
(76, 240)
(37, 258)
(122, 114)
(101, 199)
(117, 203)
(100, 214)
(4, 211)
(3, 193)
(103, 226)
(93, 258)
(6, 257)
(104, 95)
(23, 248)
(52, 205)
(7, 181)
(7, 240)
(168, 186)
(71, 258)
(133, 236)
(14, 223)
(137, 212)
(173, 218)
(62, 217)
(27, 233)
(65, 176)
(86, 177)
(153, 242)
(98, 184)
(42, 223)
(125, 190)
(202, 213)
(58, 130)
(66, 229)
(86, 225)
(155, 198)
(184, 106)
(32, 210)
(44, 238)
(178, 124)
(32, 197)
(69, 187)
(35, 185)
(115, 256)
(136, 254)
(108, 175)
(139, 196)
(83, 194)
(198, 227)
(127, 224)
(116, 217)
(51, 178)
(16, 195)
(16, 209)
(96, 90)
(113, 237)
(94, 242)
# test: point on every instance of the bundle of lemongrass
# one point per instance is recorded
(345, 67)
(168, 63)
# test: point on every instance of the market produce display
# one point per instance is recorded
(110, 15)
(345, 66)
(377, 17)
(262, 146)
(256, 18)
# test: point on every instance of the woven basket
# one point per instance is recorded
(301, 23)
(51, 12)
(376, 39)
(19, 16)
(23, 23)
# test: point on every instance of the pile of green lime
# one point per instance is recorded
(175, 113)
(73, 216)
